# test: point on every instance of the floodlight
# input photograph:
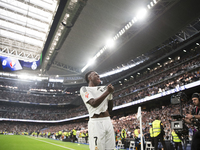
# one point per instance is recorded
(154, 1)
(110, 43)
(135, 19)
(141, 14)
(91, 61)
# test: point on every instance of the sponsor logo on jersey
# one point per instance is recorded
(86, 94)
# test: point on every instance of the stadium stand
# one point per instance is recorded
(54, 110)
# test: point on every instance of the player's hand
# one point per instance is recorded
(110, 88)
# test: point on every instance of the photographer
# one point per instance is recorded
(194, 118)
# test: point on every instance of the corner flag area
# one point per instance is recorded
(19, 142)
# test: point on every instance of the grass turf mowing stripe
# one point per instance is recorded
(75, 146)
(52, 143)
(18, 142)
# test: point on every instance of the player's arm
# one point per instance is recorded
(95, 102)
(189, 116)
(110, 105)
(187, 121)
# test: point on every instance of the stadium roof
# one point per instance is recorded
(79, 30)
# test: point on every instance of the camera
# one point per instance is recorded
(179, 126)
(178, 98)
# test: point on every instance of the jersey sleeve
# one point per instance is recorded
(86, 94)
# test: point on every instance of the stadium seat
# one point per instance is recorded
(132, 145)
(119, 144)
(149, 146)
(81, 140)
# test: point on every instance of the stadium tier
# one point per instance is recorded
(53, 57)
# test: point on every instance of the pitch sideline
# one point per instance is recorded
(51, 143)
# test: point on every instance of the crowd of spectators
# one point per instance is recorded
(36, 98)
(40, 113)
(130, 122)
(23, 85)
(19, 127)
(160, 80)
(173, 75)
(168, 69)
(165, 113)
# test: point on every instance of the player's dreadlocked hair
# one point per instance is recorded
(86, 76)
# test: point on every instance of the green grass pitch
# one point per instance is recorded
(19, 142)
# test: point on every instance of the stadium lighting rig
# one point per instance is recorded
(125, 67)
(142, 13)
(25, 27)
(24, 77)
(70, 13)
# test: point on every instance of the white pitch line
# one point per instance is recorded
(53, 144)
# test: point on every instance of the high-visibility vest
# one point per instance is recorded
(156, 127)
(136, 132)
(65, 134)
(151, 132)
(175, 137)
(123, 133)
(74, 132)
(82, 135)
(59, 132)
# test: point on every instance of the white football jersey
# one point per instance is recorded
(88, 93)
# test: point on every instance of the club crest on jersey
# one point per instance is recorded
(86, 94)
(96, 148)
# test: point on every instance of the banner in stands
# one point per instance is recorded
(12, 64)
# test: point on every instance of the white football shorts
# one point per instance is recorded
(101, 134)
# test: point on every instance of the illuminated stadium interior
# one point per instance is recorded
(149, 50)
